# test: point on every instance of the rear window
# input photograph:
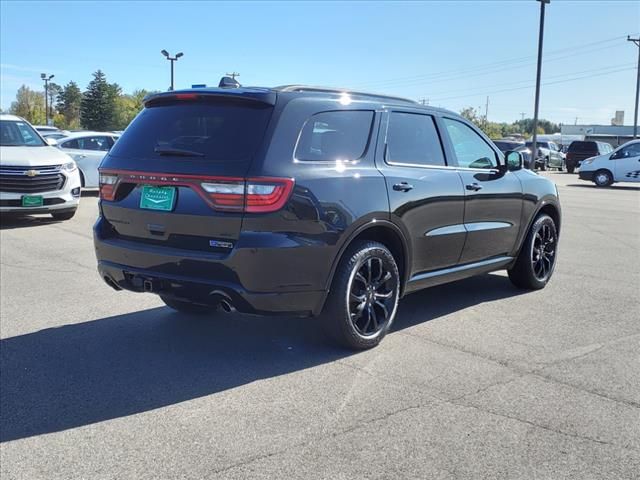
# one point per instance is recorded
(219, 132)
(340, 135)
(507, 146)
(578, 147)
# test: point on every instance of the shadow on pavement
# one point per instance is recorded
(79, 374)
(8, 222)
(612, 187)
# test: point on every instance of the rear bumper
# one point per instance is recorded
(199, 278)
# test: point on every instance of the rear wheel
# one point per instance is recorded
(603, 178)
(537, 258)
(185, 306)
(66, 215)
(364, 295)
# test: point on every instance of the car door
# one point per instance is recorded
(88, 152)
(426, 197)
(493, 195)
(626, 163)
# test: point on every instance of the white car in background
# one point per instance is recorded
(35, 177)
(621, 165)
(88, 149)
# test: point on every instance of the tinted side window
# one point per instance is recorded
(340, 135)
(471, 149)
(413, 139)
(95, 143)
(632, 150)
(70, 144)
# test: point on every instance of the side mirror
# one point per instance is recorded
(51, 142)
(514, 160)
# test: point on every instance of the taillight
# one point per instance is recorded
(267, 194)
(252, 195)
(225, 195)
(108, 186)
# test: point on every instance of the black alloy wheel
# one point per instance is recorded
(543, 252)
(371, 296)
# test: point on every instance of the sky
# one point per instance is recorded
(452, 54)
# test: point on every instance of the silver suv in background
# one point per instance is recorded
(35, 177)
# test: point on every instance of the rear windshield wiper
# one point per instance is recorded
(177, 152)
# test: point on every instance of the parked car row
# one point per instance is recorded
(549, 154)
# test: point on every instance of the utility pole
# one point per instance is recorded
(171, 59)
(635, 115)
(576, 122)
(46, 79)
(534, 146)
(424, 101)
(233, 75)
(486, 113)
(522, 114)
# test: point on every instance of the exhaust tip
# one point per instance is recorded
(227, 307)
(111, 283)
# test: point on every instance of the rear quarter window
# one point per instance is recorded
(338, 135)
(579, 147)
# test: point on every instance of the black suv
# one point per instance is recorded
(580, 150)
(309, 201)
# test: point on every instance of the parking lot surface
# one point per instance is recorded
(476, 380)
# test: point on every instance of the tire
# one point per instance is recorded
(602, 178)
(570, 168)
(531, 271)
(183, 306)
(66, 215)
(545, 165)
(361, 305)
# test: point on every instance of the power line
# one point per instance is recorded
(489, 68)
(531, 86)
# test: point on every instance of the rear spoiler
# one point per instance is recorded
(259, 95)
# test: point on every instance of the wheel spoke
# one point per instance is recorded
(357, 298)
(372, 312)
(383, 295)
(384, 309)
(380, 270)
(360, 278)
(369, 267)
(364, 329)
(385, 279)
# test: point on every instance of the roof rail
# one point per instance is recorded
(308, 88)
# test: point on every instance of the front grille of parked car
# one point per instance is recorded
(31, 179)
(45, 202)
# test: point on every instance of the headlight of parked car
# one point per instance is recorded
(69, 167)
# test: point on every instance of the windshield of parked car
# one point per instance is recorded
(15, 133)
(539, 144)
(221, 131)
(583, 147)
(506, 146)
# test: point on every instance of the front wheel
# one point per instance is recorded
(537, 258)
(364, 295)
(603, 178)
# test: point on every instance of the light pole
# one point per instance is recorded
(534, 146)
(171, 59)
(46, 79)
(233, 75)
(635, 115)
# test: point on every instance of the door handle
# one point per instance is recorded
(82, 156)
(474, 187)
(402, 187)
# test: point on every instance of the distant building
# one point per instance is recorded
(618, 120)
(615, 135)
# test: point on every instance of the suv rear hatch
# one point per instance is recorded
(579, 151)
(176, 177)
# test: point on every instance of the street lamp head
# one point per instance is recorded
(165, 53)
(43, 76)
(178, 55)
(51, 76)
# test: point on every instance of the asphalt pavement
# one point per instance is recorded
(476, 380)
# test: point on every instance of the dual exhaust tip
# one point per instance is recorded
(217, 296)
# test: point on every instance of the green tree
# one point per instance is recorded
(29, 105)
(53, 92)
(69, 103)
(99, 103)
